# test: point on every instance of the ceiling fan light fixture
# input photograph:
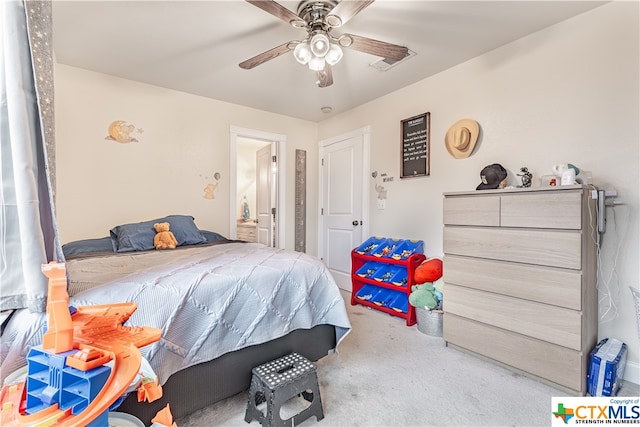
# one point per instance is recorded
(317, 63)
(319, 44)
(333, 21)
(334, 55)
(345, 40)
(298, 23)
(302, 53)
(320, 50)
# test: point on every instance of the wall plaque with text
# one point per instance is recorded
(415, 146)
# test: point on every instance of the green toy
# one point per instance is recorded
(424, 295)
(439, 285)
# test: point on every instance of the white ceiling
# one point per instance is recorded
(196, 46)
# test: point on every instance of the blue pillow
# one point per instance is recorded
(212, 236)
(139, 236)
(77, 247)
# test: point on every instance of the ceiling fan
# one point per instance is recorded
(321, 49)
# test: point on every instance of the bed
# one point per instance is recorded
(223, 306)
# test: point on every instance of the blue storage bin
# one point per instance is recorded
(386, 273)
(370, 245)
(408, 248)
(367, 292)
(384, 297)
(400, 303)
(386, 248)
(369, 269)
(401, 277)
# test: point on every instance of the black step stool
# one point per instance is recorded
(278, 381)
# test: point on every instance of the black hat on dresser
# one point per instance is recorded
(492, 177)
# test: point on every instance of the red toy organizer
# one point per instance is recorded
(409, 265)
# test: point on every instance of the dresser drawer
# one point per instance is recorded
(549, 210)
(561, 287)
(557, 325)
(247, 232)
(472, 210)
(560, 248)
(552, 362)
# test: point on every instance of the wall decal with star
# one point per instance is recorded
(122, 132)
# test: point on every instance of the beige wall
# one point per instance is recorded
(102, 183)
(568, 93)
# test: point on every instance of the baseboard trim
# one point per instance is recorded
(632, 372)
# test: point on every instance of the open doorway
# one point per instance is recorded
(257, 190)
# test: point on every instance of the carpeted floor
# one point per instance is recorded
(388, 374)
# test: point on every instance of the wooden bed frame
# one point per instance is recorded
(204, 384)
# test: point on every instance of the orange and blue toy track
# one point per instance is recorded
(76, 346)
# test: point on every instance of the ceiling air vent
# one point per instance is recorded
(385, 64)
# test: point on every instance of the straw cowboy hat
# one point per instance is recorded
(461, 138)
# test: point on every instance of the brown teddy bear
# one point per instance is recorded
(164, 239)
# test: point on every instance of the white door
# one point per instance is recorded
(343, 201)
(263, 196)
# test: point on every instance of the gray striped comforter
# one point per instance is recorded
(208, 300)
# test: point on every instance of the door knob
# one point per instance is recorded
(355, 222)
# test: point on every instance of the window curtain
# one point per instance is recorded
(28, 231)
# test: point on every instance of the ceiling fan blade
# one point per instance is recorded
(345, 10)
(266, 56)
(280, 12)
(373, 47)
(325, 76)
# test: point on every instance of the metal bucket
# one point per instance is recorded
(429, 321)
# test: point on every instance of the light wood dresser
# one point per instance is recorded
(520, 279)
(246, 231)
